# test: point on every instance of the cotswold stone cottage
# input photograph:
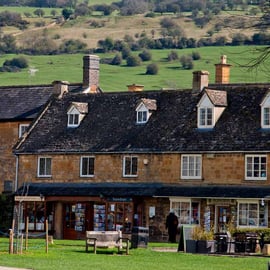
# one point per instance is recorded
(105, 161)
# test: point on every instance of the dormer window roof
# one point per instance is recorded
(76, 113)
(265, 111)
(144, 110)
(210, 107)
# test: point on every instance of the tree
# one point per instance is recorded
(117, 60)
(186, 62)
(152, 69)
(145, 55)
(39, 12)
(133, 61)
(67, 13)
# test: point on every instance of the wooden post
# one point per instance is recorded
(47, 236)
(10, 241)
(21, 245)
(26, 233)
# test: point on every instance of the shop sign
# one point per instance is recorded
(29, 199)
(119, 199)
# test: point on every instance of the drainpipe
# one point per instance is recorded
(16, 174)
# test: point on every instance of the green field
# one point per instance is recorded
(70, 255)
(116, 78)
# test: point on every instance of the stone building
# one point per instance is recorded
(107, 161)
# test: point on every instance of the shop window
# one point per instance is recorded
(256, 167)
(120, 216)
(44, 167)
(187, 211)
(87, 166)
(191, 166)
(130, 166)
(252, 214)
(35, 212)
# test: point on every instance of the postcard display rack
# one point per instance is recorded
(80, 217)
(99, 217)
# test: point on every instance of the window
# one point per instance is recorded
(206, 117)
(22, 129)
(187, 211)
(73, 119)
(44, 167)
(256, 167)
(191, 167)
(252, 214)
(142, 117)
(266, 117)
(87, 166)
(130, 166)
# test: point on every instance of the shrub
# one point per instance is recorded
(196, 56)
(186, 62)
(152, 69)
(117, 60)
(133, 61)
(145, 55)
(14, 65)
(173, 55)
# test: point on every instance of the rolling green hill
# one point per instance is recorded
(116, 78)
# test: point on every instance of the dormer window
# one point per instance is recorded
(144, 110)
(211, 107)
(76, 113)
(265, 112)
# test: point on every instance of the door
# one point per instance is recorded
(223, 215)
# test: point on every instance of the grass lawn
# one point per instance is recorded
(65, 254)
(116, 78)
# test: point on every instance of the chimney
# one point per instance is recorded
(223, 71)
(91, 73)
(60, 88)
(135, 87)
(200, 80)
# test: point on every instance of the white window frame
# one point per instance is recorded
(184, 214)
(192, 164)
(254, 165)
(265, 120)
(130, 159)
(22, 129)
(88, 158)
(142, 116)
(47, 167)
(206, 117)
(254, 217)
(73, 119)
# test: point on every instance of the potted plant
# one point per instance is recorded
(204, 240)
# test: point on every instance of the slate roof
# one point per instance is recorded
(110, 125)
(24, 102)
(142, 189)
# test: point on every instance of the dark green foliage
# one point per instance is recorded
(145, 55)
(172, 56)
(117, 60)
(73, 46)
(6, 206)
(196, 56)
(14, 65)
(67, 13)
(186, 62)
(12, 19)
(152, 69)
(133, 61)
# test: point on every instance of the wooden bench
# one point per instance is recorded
(106, 239)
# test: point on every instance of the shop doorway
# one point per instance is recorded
(76, 220)
(223, 217)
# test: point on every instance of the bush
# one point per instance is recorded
(152, 69)
(133, 61)
(173, 55)
(145, 55)
(196, 56)
(117, 60)
(186, 62)
(14, 65)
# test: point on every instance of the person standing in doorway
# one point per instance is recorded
(171, 226)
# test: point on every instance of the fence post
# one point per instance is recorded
(10, 241)
(47, 236)
(26, 233)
